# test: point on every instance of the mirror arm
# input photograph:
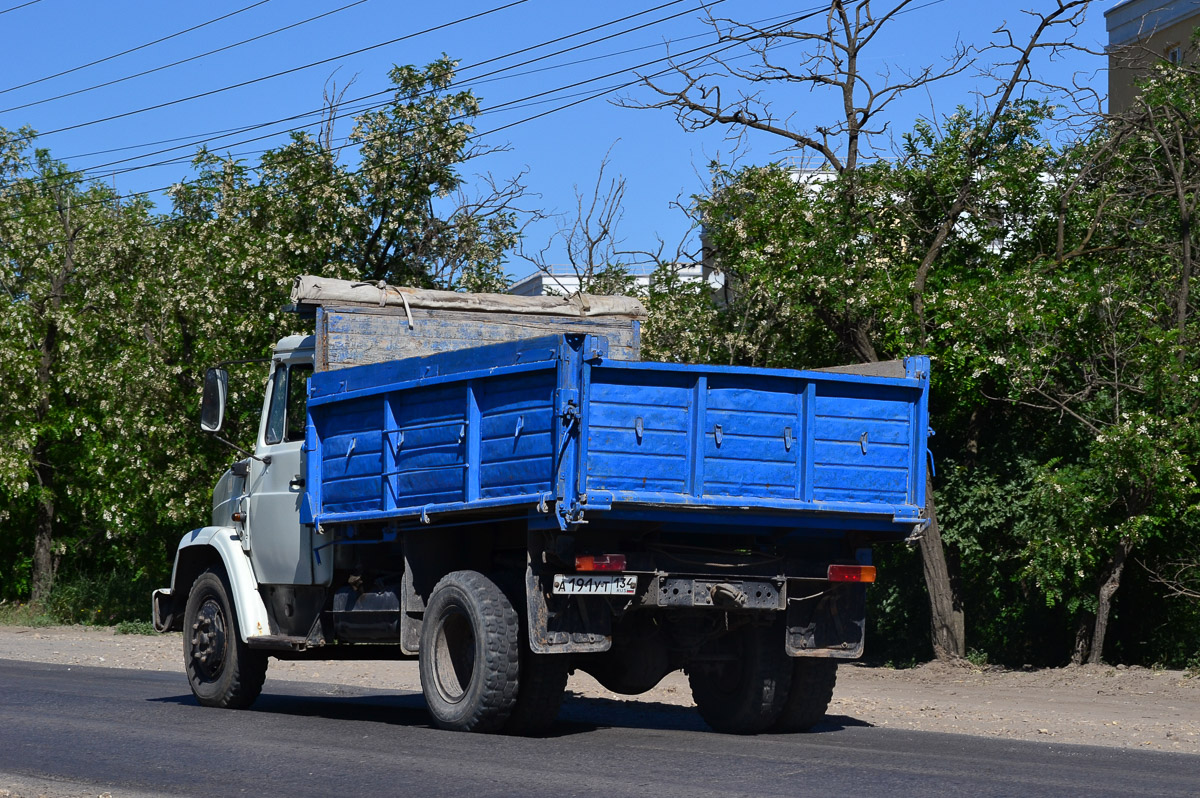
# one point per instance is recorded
(264, 460)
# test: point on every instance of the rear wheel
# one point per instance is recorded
(222, 670)
(469, 654)
(539, 697)
(809, 696)
(745, 692)
(542, 678)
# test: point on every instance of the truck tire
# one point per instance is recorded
(543, 681)
(469, 654)
(809, 696)
(222, 670)
(746, 693)
(542, 678)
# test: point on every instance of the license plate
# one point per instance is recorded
(606, 585)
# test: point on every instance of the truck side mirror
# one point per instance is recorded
(212, 406)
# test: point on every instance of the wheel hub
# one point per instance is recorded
(208, 640)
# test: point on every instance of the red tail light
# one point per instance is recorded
(852, 573)
(600, 562)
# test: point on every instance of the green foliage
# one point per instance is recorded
(112, 312)
(977, 658)
(681, 320)
(90, 598)
(134, 628)
(898, 609)
(95, 598)
(1064, 388)
(1134, 487)
(71, 253)
(1055, 304)
(18, 614)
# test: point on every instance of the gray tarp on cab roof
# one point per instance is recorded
(311, 290)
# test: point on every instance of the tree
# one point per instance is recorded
(719, 93)
(403, 213)
(72, 253)
(1100, 332)
(113, 311)
(591, 238)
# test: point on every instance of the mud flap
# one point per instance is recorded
(831, 624)
(565, 624)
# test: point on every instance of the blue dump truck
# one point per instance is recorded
(498, 487)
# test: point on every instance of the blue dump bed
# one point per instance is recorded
(553, 426)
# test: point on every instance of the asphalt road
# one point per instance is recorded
(140, 732)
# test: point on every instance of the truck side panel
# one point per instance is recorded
(638, 432)
(863, 438)
(516, 435)
(401, 438)
(554, 420)
(427, 441)
(759, 453)
(351, 454)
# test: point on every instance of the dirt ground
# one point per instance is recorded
(1122, 707)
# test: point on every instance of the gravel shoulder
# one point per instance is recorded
(1095, 705)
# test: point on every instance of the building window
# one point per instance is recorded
(1175, 54)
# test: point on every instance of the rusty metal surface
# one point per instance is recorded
(720, 593)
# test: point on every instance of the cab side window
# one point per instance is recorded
(289, 399)
(297, 401)
(277, 410)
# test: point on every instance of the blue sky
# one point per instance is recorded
(559, 151)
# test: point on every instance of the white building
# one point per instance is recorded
(564, 280)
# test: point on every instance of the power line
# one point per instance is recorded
(458, 84)
(22, 5)
(520, 102)
(273, 75)
(523, 102)
(918, 8)
(212, 135)
(627, 51)
(131, 49)
(204, 139)
(476, 136)
(182, 60)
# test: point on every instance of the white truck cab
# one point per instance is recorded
(255, 540)
(265, 504)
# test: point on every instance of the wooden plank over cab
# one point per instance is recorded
(358, 336)
(359, 323)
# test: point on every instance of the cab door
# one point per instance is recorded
(280, 547)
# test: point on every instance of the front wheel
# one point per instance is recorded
(222, 670)
(469, 654)
(745, 691)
